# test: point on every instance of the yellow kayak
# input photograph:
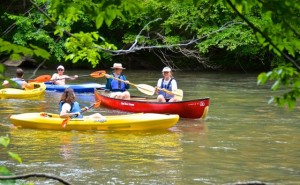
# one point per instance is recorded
(139, 121)
(13, 93)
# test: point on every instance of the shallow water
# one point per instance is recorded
(242, 139)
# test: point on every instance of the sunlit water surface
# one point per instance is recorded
(243, 138)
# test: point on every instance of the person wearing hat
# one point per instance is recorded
(118, 89)
(168, 83)
(59, 78)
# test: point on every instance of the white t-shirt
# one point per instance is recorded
(173, 83)
(59, 79)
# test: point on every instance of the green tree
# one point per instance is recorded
(281, 35)
(226, 32)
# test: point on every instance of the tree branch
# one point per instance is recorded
(175, 48)
(25, 176)
(263, 34)
(44, 13)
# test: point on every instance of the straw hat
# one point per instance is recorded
(117, 66)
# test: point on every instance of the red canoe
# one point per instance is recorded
(194, 109)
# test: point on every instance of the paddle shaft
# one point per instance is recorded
(84, 110)
(122, 80)
(146, 89)
(169, 92)
(65, 121)
(74, 77)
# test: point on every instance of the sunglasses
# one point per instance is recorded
(166, 72)
(60, 70)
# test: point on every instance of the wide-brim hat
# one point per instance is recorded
(117, 66)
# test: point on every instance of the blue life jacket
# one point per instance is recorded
(167, 86)
(19, 82)
(74, 108)
(116, 85)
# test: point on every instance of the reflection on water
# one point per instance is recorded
(104, 152)
(243, 139)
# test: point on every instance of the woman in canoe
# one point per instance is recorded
(69, 107)
(59, 78)
(19, 80)
(118, 88)
(168, 83)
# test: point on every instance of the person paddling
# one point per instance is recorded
(169, 83)
(69, 107)
(59, 78)
(19, 80)
(117, 88)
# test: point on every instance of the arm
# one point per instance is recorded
(108, 84)
(27, 85)
(174, 85)
(158, 85)
(65, 111)
(158, 82)
(127, 85)
(71, 77)
(5, 83)
(54, 77)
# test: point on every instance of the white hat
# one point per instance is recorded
(117, 66)
(61, 67)
(166, 69)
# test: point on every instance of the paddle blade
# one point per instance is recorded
(43, 114)
(98, 74)
(178, 94)
(97, 96)
(42, 78)
(97, 104)
(146, 89)
(65, 122)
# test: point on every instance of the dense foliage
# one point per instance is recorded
(281, 35)
(217, 34)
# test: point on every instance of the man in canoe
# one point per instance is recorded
(59, 78)
(69, 107)
(117, 83)
(165, 86)
(19, 80)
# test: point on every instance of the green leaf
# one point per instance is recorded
(4, 140)
(4, 171)
(99, 20)
(276, 85)
(15, 156)
(262, 78)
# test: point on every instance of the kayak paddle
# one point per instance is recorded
(144, 88)
(65, 121)
(178, 93)
(46, 78)
(40, 79)
(96, 74)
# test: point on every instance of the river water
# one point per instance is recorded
(243, 139)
